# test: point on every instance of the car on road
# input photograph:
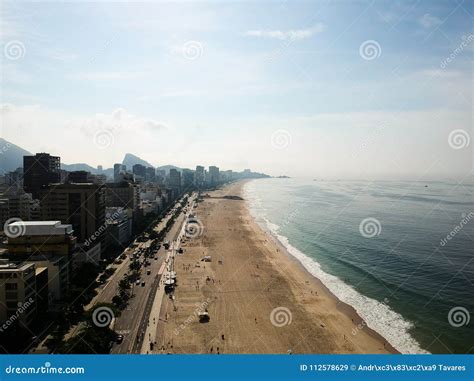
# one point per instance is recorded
(137, 282)
(119, 339)
(143, 284)
(148, 272)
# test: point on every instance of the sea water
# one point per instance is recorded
(400, 252)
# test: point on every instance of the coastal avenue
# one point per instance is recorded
(133, 321)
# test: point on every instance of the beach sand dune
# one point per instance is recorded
(259, 298)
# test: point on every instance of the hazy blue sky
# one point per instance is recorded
(358, 89)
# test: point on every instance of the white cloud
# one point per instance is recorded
(119, 122)
(72, 137)
(285, 35)
(429, 21)
(333, 144)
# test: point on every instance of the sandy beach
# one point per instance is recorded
(258, 297)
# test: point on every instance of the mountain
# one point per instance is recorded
(11, 156)
(78, 167)
(130, 160)
(108, 172)
(167, 168)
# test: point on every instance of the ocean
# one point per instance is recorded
(400, 252)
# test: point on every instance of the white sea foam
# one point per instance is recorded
(378, 316)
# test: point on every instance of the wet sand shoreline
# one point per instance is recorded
(260, 298)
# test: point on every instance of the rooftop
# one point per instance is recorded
(42, 227)
(10, 266)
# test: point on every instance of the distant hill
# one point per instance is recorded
(11, 156)
(109, 172)
(130, 160)
(78, 167)
(167, 168)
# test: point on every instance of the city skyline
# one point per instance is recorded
(368, 90)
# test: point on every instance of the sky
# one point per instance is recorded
(350, 89)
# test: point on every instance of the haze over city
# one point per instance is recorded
(304, 89)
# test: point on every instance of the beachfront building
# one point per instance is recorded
(119, 169)
(187, 178)
(17, 290)
(119, 225)
(51, 246)
(79, 177)
(42, 237)
(199, 176)
(175, 182)
(150, 174)
(122, 195)
(226, 175)
(214, 175)
(88, 251)
(15, 203)
(39, 171)
(81, 205)
(14, 179)
(139, 171)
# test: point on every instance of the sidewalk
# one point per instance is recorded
(151, 330)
